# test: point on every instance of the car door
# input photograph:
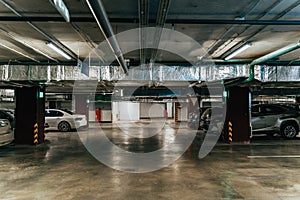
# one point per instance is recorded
(273, 113)
(52, 118)
(258, 118)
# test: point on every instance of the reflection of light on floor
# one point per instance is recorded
(47, 156)
(165, 138)
(145, 129)
(142, 129)
(297, 187)
(176, 169)
(169, 136)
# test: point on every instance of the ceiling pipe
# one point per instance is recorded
(56, 42)
(143, 21)
(162, 13)
(232, 61)
(270, 56)
(101, 18)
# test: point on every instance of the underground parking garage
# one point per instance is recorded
(149, 99)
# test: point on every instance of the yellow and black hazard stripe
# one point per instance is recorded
(230, 130)
(35, 133)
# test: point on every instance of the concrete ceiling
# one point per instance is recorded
(26, 26)
(219, 26)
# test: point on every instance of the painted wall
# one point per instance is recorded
(170, 110)
(152, 110)
(106, 115)
(115, 111)
(128, 111)
(183, 113)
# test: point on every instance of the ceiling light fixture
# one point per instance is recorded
(58, 50)
(239, 50)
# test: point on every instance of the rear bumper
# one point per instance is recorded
(81, 123)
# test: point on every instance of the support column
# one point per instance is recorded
(30, 115)
(298, 99)
(81, 106)
(237, 123)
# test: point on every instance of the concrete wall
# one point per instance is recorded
(152, 110)
(106, 115)
(183, 113)
(170, 110)
(125, 111)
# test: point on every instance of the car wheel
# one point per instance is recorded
(289, 130)
(64, 127)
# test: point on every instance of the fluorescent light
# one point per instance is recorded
(239, 50)
(58, 50)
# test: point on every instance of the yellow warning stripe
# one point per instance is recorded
(35, 131)
(230, 129)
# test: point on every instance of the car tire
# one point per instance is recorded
(289, 130)
(64, 126)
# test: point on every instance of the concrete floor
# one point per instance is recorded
(62, 168)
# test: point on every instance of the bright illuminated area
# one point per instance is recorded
(148, 99)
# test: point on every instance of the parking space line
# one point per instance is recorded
(280, 156)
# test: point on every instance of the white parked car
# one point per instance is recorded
(6, 132)
(63, 121)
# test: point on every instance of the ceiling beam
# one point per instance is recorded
(47, 36)
(236, 39)
(15, 38)
(136, 20)
(19, 52)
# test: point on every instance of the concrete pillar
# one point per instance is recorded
(237, 123)
(30, 115)
(297, 99)
(81, 106)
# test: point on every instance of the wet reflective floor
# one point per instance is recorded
(62, 167)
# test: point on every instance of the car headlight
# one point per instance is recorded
(78, 119)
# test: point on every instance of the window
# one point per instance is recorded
(274, 110)
(255, 109)
(53, 113)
